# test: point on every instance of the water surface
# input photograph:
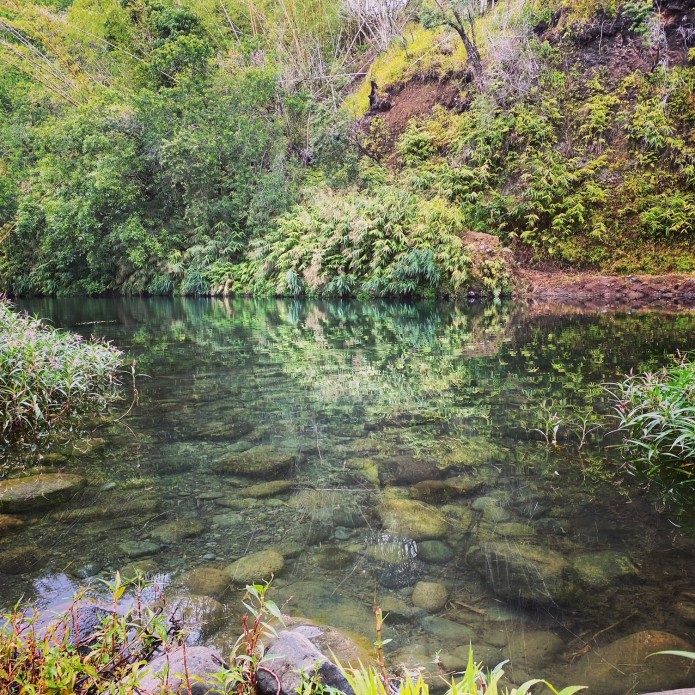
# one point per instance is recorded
(491, 420)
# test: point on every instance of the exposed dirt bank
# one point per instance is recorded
(602, 292)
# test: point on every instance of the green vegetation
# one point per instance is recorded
(56, 659)
(656, 412)
(180, 147)
(48, 379)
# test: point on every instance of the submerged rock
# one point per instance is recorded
(434, 552)
(146, 568)
(333, 557)
(7, 523)
(20, 560)
(395, 609)
(319, 601)
(269, 489)
(206, 581)
(464, 484)
(686, 610)
(520, 572)
(175, 531)
(411, 519)
(600, 570)
(451, 632)
(430, 596)
(260, 566)
(262, 461)
(201, 615)
(138, 548)
(220, 430)
(38, 491)
(406, 470)
(623, 666)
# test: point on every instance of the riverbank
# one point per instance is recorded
(602, 292)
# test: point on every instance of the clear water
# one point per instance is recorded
(372, 399)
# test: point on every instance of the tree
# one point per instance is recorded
(460, 15)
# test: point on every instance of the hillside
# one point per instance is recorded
(342, 147)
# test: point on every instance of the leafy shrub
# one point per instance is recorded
(387, 243)
(58, 659)
(669, 214)
(638, 13)
(49, 378)
(656, 412)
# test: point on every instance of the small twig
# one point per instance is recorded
(275, 676)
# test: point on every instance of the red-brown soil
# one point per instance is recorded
(608, 291)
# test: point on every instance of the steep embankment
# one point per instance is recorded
(575, 147)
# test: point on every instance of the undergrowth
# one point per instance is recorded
(656, 413)
(49, 378)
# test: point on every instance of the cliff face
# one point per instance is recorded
(579, 135)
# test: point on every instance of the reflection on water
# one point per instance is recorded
(373, 447)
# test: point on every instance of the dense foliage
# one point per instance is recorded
(657, 415)
(48, 378)
(172, 146)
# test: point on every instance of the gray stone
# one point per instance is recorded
(430, 596)
(200, 663)
(38, 491)
(256, 567)
(78, 625)
(139, 548)
(295, 655)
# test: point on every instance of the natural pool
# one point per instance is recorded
(467, 446)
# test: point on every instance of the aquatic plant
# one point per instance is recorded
(473, 681)
(248, 653)
(656, 411)
(48, 378)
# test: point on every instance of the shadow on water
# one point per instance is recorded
(374, 446)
